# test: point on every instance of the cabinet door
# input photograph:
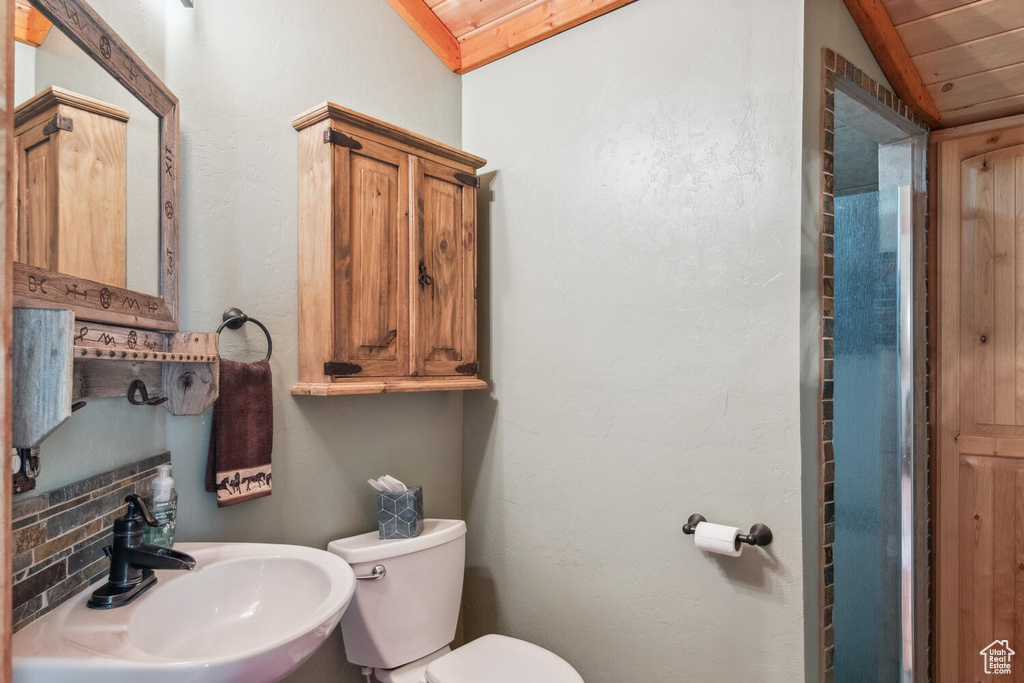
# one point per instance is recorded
(36, 166)
(371, 271)
(92, 214)
(444, 272)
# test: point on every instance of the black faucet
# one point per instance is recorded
(131, 561)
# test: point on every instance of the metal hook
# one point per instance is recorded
(139, 387)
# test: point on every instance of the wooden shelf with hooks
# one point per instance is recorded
(59, 361)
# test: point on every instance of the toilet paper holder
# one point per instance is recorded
(759, 534)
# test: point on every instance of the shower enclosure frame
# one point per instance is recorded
(840, 75)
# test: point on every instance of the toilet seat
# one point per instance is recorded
(500, 659)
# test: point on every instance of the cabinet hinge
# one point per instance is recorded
(336, 137)
(335, 368)
(58, 122)
(468, 369)
(468, 179)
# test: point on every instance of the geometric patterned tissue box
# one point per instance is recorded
(400, 515)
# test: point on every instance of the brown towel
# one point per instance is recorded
(242, 435)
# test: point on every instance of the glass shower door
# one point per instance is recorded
(873, 412)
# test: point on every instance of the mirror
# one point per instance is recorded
(95, 166)
(112, 230)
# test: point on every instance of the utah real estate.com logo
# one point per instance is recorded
(997, 657)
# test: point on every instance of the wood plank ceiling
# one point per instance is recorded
(30, 26)
(953, 61)
(467, 34)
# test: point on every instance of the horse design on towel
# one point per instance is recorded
(259, 478)
(230, 484)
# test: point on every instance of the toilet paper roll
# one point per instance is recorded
(718, 538)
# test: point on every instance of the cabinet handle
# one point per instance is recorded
(425, 280)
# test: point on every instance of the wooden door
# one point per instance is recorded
(444, 273)
(371, 260)
(980, 404)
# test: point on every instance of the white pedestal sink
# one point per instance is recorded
(248, 612)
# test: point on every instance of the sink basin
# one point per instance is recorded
(248, 612)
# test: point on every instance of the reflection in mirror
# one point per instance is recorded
(87, 165)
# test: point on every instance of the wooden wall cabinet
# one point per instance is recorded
(71, 170)
(387, 258)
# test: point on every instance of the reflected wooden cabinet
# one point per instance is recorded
(71, 180)
(387, 258)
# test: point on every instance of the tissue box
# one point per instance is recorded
(400, 515)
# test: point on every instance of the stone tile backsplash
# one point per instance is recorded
(59, 536)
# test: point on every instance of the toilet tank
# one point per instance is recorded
(414, 609)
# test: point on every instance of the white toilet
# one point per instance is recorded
(405, 610)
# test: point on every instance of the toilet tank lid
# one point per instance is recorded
(369, 547)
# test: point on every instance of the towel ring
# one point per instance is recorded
(234, 318)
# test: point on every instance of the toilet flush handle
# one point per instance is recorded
(376, 574)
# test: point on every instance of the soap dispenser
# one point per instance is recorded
(163, 503)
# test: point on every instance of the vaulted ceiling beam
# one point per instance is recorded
(30, 26)
(892, 56)
(434, 33)
(530, 25)
(522, 24)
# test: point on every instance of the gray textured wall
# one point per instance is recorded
(24, 72)
(640, 283)
(241, 72)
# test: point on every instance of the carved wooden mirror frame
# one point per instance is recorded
(95, 301)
